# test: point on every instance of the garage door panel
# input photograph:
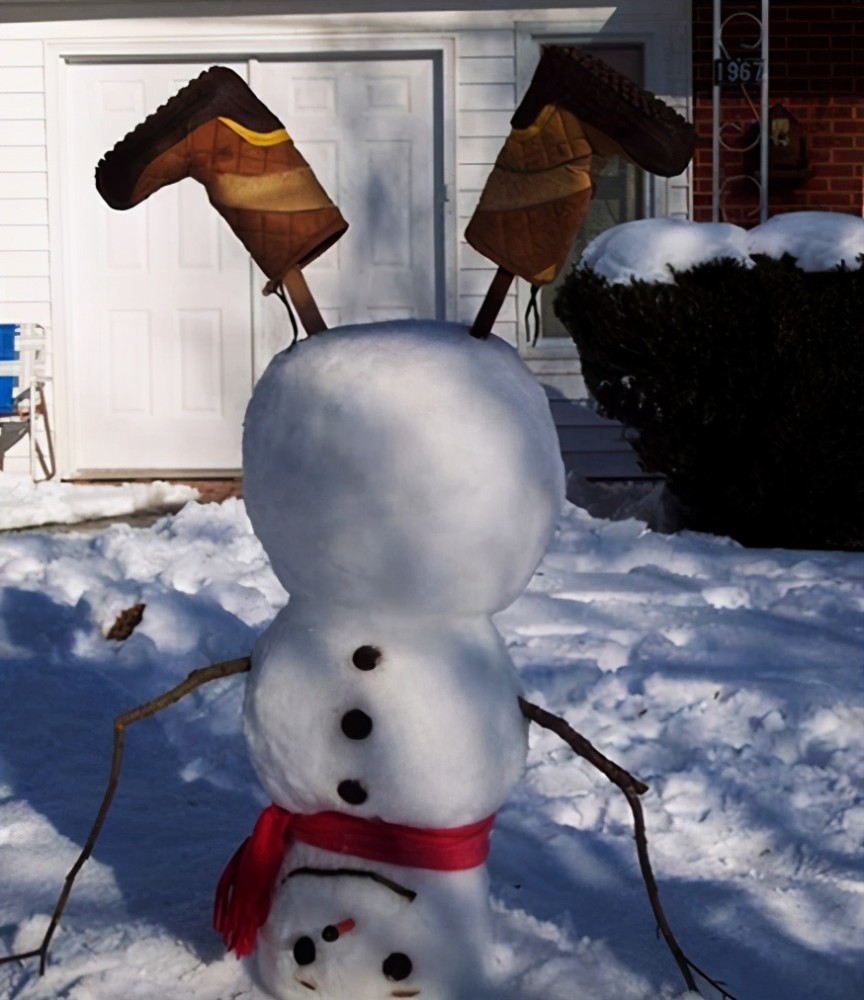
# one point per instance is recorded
(129, 353)
(314, 95)
(123, 97)
(388, 219)
(199, 232)
(201, 364)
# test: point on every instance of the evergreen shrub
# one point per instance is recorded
(745, 387)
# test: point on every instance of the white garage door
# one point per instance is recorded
(163, 296)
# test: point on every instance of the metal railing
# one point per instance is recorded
(742, 71)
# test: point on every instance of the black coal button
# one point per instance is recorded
(352, 792)
(356, 724)
(366, 657)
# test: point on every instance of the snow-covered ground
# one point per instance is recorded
(730, 680)
(25, 504)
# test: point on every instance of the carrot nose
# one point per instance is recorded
(332, 932)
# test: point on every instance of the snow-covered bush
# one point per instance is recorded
(744, 379)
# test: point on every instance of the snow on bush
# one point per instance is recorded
(646, 249)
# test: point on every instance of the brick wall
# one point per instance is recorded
(816, 62)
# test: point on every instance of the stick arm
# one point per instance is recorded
(196, 679)
(632, 789)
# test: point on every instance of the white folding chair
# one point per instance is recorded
(23, 411)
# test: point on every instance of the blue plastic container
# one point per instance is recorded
(7, 353)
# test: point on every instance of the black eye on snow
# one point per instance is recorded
(330, 933)
(304, 951)
(397, 966)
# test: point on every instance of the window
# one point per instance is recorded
(618, 197)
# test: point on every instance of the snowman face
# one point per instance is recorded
(342, 935)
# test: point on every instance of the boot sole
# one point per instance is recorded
(649, 132)
(218, 91)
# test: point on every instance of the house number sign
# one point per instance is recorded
(741, 69)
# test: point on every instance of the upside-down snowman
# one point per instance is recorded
(382, 708)
(405, 479)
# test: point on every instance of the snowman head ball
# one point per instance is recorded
(403, 464)
(348, 937)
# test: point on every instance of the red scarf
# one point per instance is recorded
(245, 889)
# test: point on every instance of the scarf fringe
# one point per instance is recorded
(245, 890)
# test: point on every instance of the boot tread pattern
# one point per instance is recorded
(648, 131)
(217, 91)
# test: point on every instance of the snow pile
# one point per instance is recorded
(731, 680)
(25, 504)
(647, 248)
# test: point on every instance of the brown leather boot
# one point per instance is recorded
(617, 114)
(576, 108)
(532, 206)
(535, 198)
(218, 132)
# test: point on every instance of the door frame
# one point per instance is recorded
(208, 43)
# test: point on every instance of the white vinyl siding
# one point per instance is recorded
(21, 185)
(23, 52)
(25, 287)
(24, 234)
(23, 238)
(21, 79)
(23, 263)
(14, 132)
(486, 98)
(22, 212)
(28, 107)
(18, 159)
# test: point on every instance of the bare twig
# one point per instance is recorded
(632, 789)
(195, 680)
(616, 774)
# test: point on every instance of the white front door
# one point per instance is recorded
(164, 303)
(366, 128)
(159, 332)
